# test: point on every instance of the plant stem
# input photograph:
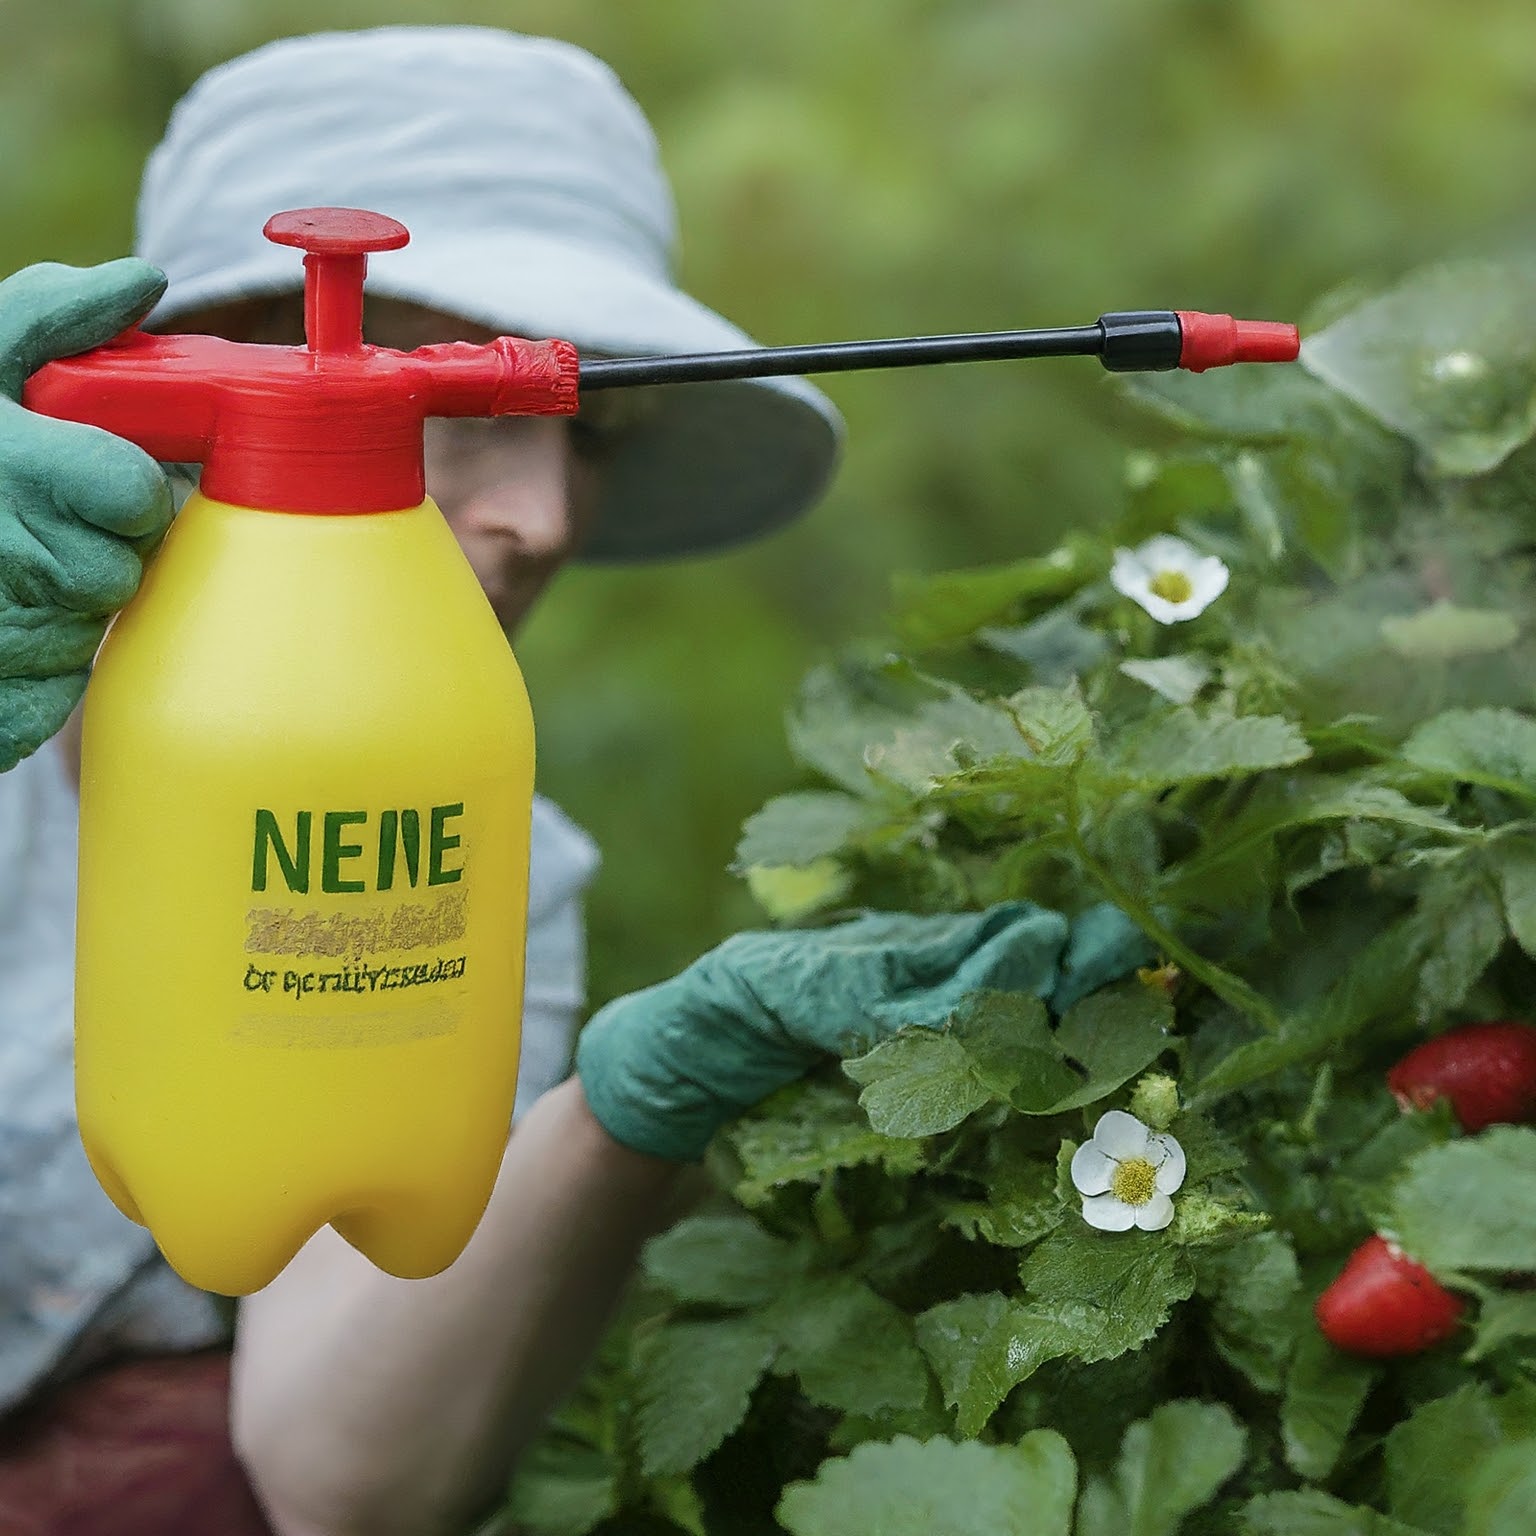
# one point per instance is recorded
(1231, 989)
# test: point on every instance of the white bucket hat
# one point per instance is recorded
(537, 206)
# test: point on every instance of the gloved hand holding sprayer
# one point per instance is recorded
(305, 872)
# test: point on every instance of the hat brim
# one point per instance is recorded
(705, 467)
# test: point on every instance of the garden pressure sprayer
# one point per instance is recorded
(307, 770)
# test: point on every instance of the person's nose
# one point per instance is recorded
(519, 501)
(531, 518)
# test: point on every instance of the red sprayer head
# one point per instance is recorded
(332, 426)
(335, 426)
(1214, 341)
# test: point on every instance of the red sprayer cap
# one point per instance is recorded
(1213, 341)
(332, 426)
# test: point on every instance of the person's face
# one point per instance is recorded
(516, 494)
(517, 497)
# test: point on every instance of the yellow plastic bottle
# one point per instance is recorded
(305, 796)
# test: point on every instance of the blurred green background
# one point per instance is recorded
(875, 167)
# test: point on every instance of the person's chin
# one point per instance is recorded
(513, 602)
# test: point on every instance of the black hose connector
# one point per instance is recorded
(1141, 340)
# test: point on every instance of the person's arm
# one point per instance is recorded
(369, 1406)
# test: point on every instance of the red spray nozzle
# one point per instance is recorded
(333, 426)
(1214, 341)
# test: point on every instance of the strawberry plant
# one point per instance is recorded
(1058, 1275)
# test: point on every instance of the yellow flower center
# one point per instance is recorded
(1172, 586)
(1134, 1181)
(1163, 977)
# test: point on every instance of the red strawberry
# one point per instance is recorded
(1487, 1071)
(1383, 1304)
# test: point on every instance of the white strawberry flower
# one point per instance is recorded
(1126, 1174)
(1172, 580)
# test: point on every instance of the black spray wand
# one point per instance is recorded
(1127, 341)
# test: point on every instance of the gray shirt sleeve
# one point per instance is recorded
(69, 1260)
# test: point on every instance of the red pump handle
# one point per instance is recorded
(336, 243)
(334, 426)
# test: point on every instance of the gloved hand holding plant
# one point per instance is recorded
(663, 1069)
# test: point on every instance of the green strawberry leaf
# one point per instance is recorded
(805, 1132)
(563, 1488)
(1055, 725)
(1496, 747)
(851, 1349)
(1432, 1455)
(1312, 1512)
(1443, 630)
(1252, 1289)
(910, 1487)
(1447, 358)
(695, 1381)
(1020, 1207)
(1503, 1492)
(790, 893)
(1107, 1292)
(1176, 678)
(1514, 861)
(933, 610)
(1001, 1047)
(983, 1346)
(1324, 1393)
(918, 1083)
(1171, 1464)
(1187, 745)
(800, 829)
(1057, 647)
(893, 721)
(1242, 404)
(1470, 1205)
(1113, 1035)
(726, 1259)
(1012, 1050)
(1503, 1317)
(1461, 922)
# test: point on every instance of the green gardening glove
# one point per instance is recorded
(80, 510)
(665, 1068)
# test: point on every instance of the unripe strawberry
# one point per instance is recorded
(1383, 1304)
(1487, 1071)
